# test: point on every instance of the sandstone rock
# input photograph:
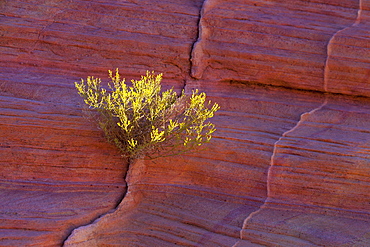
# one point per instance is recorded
(56, 172)
(46, 145)
(92, 37)
(202, 199)
(319, 181)
(348, 62)
(43, 214)
(288, 165)
(282, 43)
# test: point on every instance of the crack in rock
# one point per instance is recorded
(303, 118)
(198, 56)
(87, 236)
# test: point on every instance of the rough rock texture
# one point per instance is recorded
(349, 56)
(56, 171)
(67, 173)
(288, 166)
(281, 43)
(203, 199)
(319, 181)
(84, 37)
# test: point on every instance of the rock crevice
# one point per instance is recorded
(249, 235)
(288, 164)
(86, 241)
(84, 235)
(198, 54)
(269, 173)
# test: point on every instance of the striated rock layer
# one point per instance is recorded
(319, 181)
(203, 199)
(288, 165)
(296, 44)
(56, 171)
(84, 37)
(64, 172)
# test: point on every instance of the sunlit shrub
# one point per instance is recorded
(144, 121)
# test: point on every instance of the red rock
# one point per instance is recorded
(92, 37)
(44, 213)
(202, 199)
(287, 166)
(282, 43)
(67, 168)
(56, 171)
(319, 181)
(348, 62)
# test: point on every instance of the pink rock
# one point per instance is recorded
(288, 165)
(319, 181)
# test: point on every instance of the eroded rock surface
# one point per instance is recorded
(282, 43)
(288, 166)
(56, 172)
(203, 199)
(327, 205)
(49, 152)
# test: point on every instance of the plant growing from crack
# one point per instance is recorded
(144, 121)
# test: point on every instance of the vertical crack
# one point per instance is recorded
(330, 44)
(194, 55)
(303, 117)
(195, 61)
(110, 211)
(198, 55)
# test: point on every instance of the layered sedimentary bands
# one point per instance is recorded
(288, 165)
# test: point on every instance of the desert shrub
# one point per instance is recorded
(144, 121)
